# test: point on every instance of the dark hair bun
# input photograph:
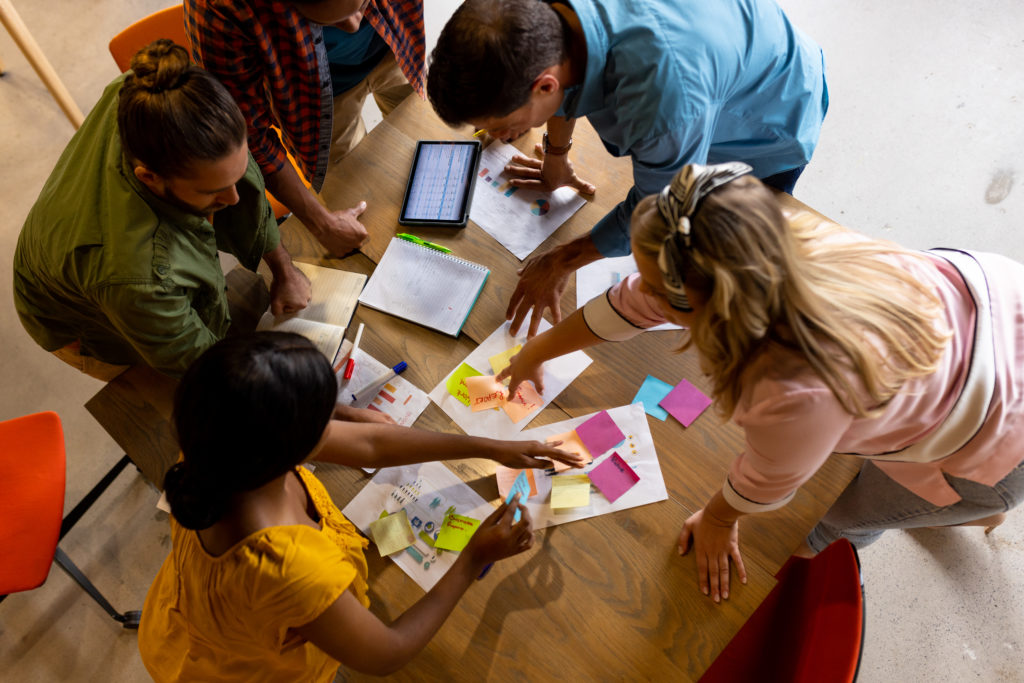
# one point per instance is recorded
(161, 65)
(194, 499)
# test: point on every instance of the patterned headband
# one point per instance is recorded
(677, 203)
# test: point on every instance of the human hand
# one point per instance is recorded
(714, 543)
(350, 414)
(542, 280)
(341, 231)
(549, 172)
(520, 368)
(499, 537)
(290, 291)
(521, 454)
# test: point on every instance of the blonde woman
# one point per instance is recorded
(820, 340)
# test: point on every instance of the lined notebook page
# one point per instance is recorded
(425, 286)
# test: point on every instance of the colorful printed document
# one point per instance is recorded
(427, 492)
(518, 218)
(650, 394)
(637, 452)
(558, 374)
(400, 399)
(685, 403)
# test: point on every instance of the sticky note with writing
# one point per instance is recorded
(505, 476)
(456, 530)
(456, 382)
(485, 392)
(392, 533)
(685, 403)
(613, 477)
(570, 444)
(499, 361)
(526, 401)
(570, 491)
(600, 433)
(522, 487)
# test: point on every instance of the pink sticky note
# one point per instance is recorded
(613, 477)
(485, 392)
(600, 433)
(685, 403)
(525, 402)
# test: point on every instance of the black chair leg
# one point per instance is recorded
(128, 619)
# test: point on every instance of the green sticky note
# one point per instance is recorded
(456, 383)
(392, 533)
(456, 530)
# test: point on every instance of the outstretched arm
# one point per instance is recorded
(572, 334)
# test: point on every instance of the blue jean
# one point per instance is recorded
(873, 502)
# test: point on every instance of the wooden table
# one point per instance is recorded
(603, 598)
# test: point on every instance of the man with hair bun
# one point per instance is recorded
(117, 261)
(664, 82)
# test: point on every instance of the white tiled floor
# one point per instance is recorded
(922, 144)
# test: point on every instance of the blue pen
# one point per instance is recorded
(370, 390)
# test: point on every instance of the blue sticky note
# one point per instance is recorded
(521, 486)
(651, 392)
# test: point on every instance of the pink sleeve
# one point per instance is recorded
(790, 432)
(623, 311)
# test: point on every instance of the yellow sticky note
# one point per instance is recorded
(392, 533)
(570, 444)
(456, 383)
(485, 392)
(525, 402)
(570, 491)
(500, 361)
(456, 530)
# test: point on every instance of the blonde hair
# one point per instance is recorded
(842, 304)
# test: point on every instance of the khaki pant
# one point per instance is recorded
(388, 86)
(72, 355)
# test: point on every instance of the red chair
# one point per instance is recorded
(32, 502)
(809, 629)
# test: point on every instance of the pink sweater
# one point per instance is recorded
(793, 422)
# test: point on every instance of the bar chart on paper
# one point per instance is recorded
(518, 218)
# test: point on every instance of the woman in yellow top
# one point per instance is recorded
(266, 580)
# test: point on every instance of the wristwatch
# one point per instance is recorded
(555, 149)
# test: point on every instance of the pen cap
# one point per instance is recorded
(400, 368)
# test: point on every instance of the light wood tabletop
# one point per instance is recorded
(606, 598)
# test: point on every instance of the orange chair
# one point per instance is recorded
(170, 23)
(810, 628)
(31, 504)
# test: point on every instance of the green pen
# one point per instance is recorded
(423, 243)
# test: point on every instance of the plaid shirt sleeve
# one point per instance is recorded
(224, 39)
(400, 24)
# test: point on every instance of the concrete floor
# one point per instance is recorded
(922, 145)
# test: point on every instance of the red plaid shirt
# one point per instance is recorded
(273, 61)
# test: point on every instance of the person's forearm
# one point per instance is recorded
(279, 261)
(360, 444)
(572, 334)
(288, 188)
(560, 130)
(720, 512)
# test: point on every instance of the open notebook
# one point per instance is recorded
(425, 286)
(323, 322)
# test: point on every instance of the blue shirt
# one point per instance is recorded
(352, 56)
(672, 82)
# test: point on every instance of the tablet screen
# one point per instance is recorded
(440, 182)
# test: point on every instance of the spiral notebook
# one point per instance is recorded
(425, 286)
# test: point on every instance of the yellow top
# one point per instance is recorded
(228, 617)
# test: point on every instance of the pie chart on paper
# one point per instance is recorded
(539, 207)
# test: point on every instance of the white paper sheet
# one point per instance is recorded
(425, 491)
(402, 400)
(595, 278)
(558, 374)
(518, 218)
(632, 420)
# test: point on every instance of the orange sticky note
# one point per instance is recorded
(570, 444)
(485, 392)
(506, 475)
(525, 402)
